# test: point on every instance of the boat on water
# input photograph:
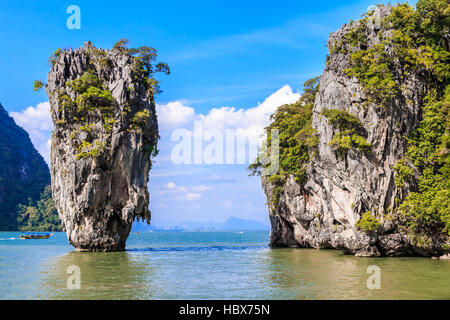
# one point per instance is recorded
(34, 235)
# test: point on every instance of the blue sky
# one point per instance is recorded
(231, 54)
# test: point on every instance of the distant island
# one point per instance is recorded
(231, 224)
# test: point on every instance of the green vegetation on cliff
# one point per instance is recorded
(40, 215)
(350, 132)
(411, 41)
(411, 50)
(428, 209)
(297, 139)
(368, 223)
(420, 43)
(23, 172)
(88, 101)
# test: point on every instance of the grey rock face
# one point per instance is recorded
(100, 164)
(323, 213)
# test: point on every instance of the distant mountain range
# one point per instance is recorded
(231, 224)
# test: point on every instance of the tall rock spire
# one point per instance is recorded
(105, 133)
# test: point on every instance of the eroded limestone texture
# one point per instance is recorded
(105, 132)
(323, 213)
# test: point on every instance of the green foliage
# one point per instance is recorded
(350, 130)
(38, 85)
(91, 100)
(428, 210)
(104, 62)
(152, 150)
(92, 97)
(403, 173)
(343, 120)
(346, 140)
(297, 140)
(39, 216)
(88, 150)
(86, 99)
(66, 103)
(415, 44)
(277, 179)
(372, 67)
(95, 99)
(108, 123)
(121, 44)
(83, 83)
(54, 57)
(23, 172)
(139, 119)
(296, 136)
(368, 223)
(276, 194)
(145, 66)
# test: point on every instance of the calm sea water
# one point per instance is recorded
(208, 265)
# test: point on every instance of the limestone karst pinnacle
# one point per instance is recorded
(105, 132)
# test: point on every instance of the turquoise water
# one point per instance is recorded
(208, 265)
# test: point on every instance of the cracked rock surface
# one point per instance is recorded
(323, 212)
(100, 160)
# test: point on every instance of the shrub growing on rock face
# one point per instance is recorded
(88, 80)
(349, 135)
(368, 223)
(139, 119)
(428, 209)
(38, 85)
(297, 139)
(411, 42)
(87, 98)
(54, 57)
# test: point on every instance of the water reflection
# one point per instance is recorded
(326, 274)
(112, 275)
(176, 267)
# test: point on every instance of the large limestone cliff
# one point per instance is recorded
(323, 212)
(105, 132)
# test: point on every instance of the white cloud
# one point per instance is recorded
(37, 120)
(201, 188)
(170, 185)
(177, 115)
(227, 204)
(183, 193)
(174, 114)
(193, 196)
(225, 122)
(38, 123)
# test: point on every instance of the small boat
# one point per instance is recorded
(33, 235)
